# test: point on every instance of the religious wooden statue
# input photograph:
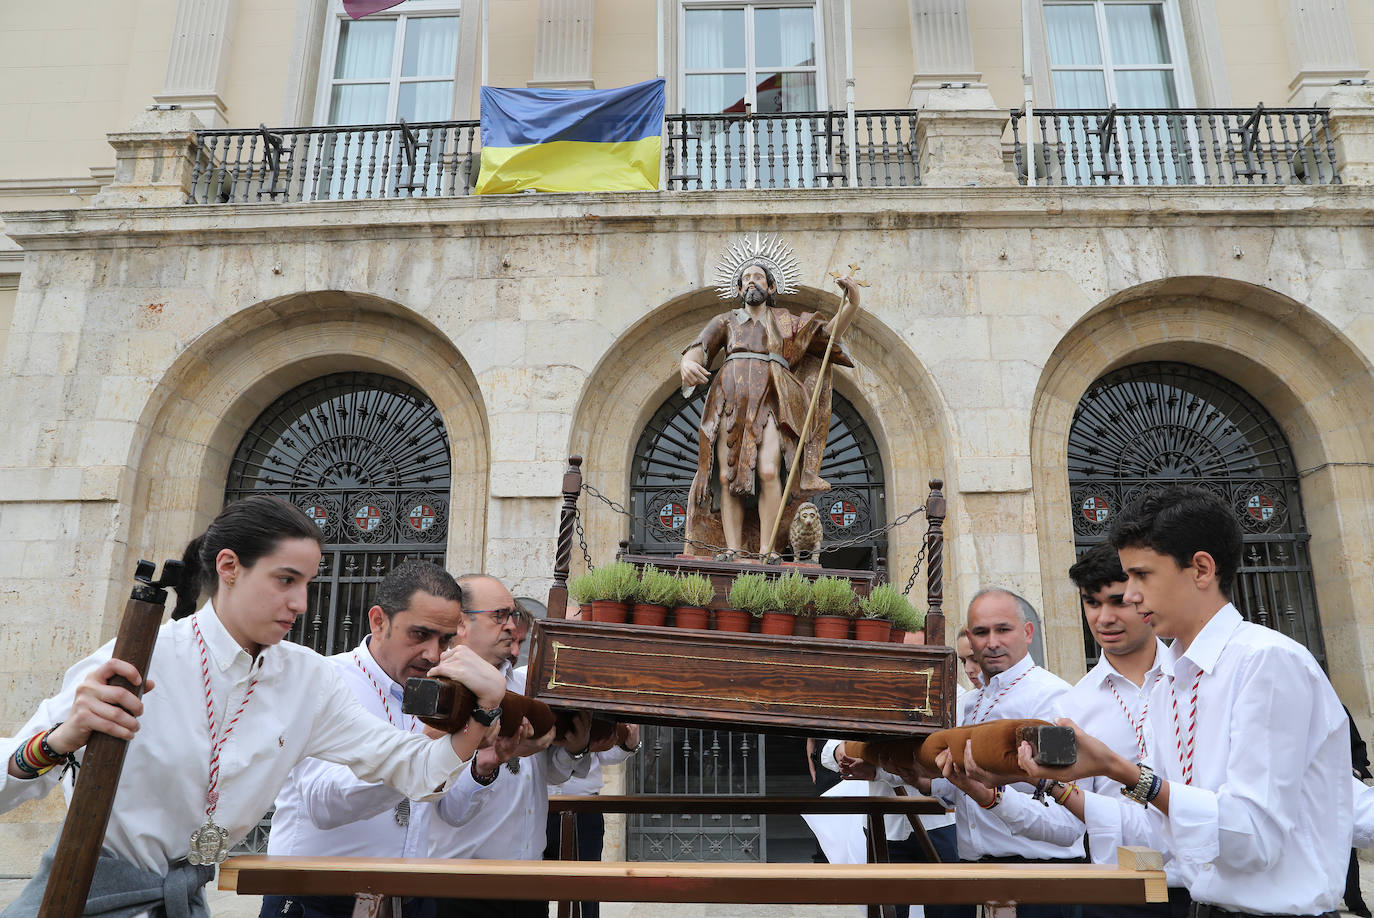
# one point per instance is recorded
(752, 423)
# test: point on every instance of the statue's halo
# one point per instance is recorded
(769, 251)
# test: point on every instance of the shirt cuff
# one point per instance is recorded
(446, 764)
(1194, 823)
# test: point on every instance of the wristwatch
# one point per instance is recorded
(486, 717)
(1141, 792)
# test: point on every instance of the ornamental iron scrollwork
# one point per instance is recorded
(1152, 424)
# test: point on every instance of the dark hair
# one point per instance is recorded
(1180, 521)
(250, 528)
(399, 586)
(1099, 566)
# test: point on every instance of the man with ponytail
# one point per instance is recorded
(234, 709)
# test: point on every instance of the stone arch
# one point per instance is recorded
(1306, 373)
(890, 388)
(212, 393)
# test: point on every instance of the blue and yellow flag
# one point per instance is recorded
(571, 139)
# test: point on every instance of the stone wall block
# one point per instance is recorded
(959, 140)
(153, 161)
(1351, 121)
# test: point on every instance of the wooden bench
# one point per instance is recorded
(1133, 882)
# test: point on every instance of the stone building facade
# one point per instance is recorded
(146, 336)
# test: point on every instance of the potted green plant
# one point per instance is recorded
(910, 620)
(751, 595)
(657, 594)
(616, 588)
(878, 610)
(695, 593)
(833, 600)
(582, 590)
(792, 592)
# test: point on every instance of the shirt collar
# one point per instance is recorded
(1207, 646)
(373, 668)
(223, 649)
(1007, 675)
(1104, 669)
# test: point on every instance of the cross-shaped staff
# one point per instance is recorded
(766, 547)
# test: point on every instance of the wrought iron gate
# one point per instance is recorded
(367, 458)
(704, 762)
(1164, 423)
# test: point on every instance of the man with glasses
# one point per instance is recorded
(498, 807)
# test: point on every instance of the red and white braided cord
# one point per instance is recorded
(1185, 751)
(1137, 725)
(386, 706)
(216, 741)
(978, 703)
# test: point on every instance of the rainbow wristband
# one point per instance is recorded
(1068, 792)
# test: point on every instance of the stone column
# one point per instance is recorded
(959, 139)
(1321, 47)
(941, 47)
(153, 161)
(199, 59)
(563, 45)
(1352, 132)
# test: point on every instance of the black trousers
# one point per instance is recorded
(590, 837)
(1022, 911)
(334, 907)
(491, 908)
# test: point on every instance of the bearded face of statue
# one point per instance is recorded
(756, 285)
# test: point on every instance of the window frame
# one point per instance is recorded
(413, 9)
(1179, 64)
(750, 66)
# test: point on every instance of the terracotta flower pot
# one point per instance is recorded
(872, 629)
(778, 623)
(690, 617)
(646, 614)
(615, 613)
(735, 620)
(832, 626)
(898, 636)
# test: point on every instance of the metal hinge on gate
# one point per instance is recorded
(273, 152)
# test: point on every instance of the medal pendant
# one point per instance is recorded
(403, 813)
(209, 844)
(513, 766)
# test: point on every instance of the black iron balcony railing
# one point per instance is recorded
(1199, 146)
(874, 149)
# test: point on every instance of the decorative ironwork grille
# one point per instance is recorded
(1164, 423)
(692, 761)
(367, 458)
(666, 459)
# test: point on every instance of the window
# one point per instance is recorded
(384, 69)
(1127, 54)
(1111, 52)
(761, 55)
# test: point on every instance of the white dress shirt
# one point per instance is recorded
(1265, 825)
(506, 820)
(592, 781)
(299, 708)
(1110, 707)
(325, 809)
(1364, 814)
(1024, 690)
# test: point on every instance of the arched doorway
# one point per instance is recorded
(665, 460)
(366, 456)
(702, 762)
(1162, 423)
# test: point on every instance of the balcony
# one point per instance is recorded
(708, 152)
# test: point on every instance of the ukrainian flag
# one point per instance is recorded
(571, 139)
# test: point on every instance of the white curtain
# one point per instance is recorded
(431, 46)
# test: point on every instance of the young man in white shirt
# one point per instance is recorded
(499, 806)
(1110, 702)
(963, 649)
(324, 809)
(1251, 801)
(1000, 629)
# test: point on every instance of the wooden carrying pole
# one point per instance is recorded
(78, 848)
(765, 548)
